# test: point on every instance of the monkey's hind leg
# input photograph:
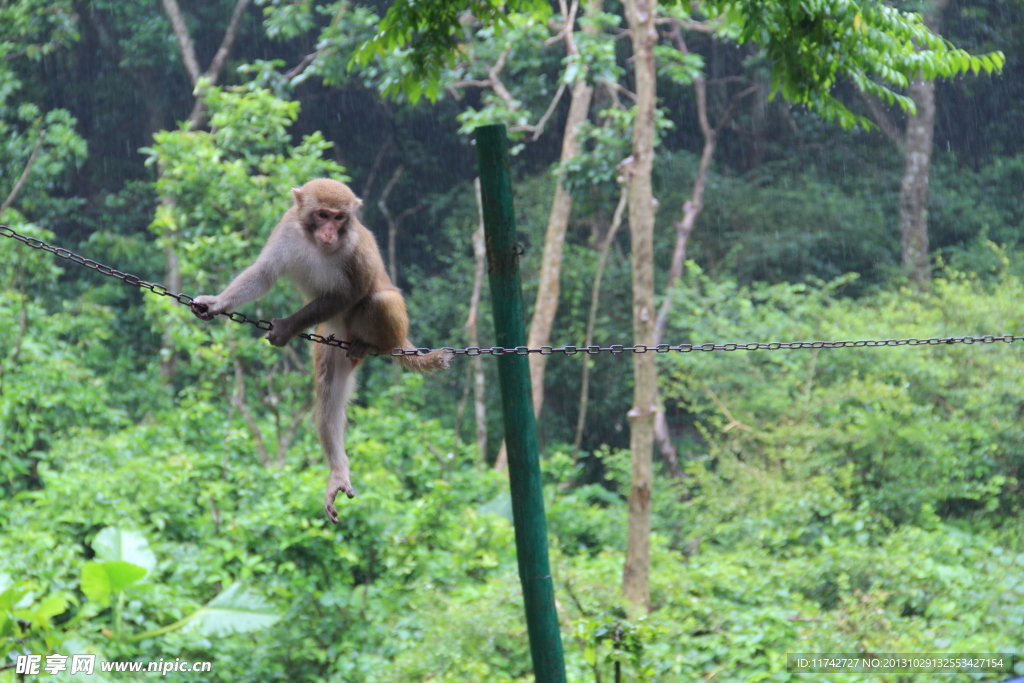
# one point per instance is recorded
(335, 383)
(378, 323)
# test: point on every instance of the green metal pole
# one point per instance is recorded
(517, 407)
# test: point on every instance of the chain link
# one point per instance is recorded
(614, 349)
(136, 281)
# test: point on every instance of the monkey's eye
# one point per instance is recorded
(324, 215)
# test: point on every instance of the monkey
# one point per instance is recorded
(334, 262)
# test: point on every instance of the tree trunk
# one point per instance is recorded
(692, 208)
(558, 221)
(476, 363)
(382, 204)
(168, 353)
(914, 188)
(172, 278)
(635, 577)
(595, 297)
(917, 159)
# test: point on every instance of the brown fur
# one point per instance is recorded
(336, 264)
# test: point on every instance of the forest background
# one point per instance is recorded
(161, 481)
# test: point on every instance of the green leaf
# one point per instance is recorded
(40, 615)
(113, 544)
(10, 594)
(51, 607)
(236, 610)
(100, 580)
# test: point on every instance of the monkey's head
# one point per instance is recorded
(326, 208)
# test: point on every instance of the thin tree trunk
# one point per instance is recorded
(636, 573)
(172, 276)
(476, 363)
(595, 297)
(188, 52)
(168, 353)
(917, 159)
(238, 401)
(24, 174)
(692, 208)
(914, 188)
(558, 221)
(382, 204)
(548, 287)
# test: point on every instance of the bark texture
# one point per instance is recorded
(549, 285)
(636, 574)
(917, 160)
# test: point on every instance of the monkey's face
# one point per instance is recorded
(327, 227)
(326, 208)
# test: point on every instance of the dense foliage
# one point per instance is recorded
(160, 479)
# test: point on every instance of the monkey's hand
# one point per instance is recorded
(337, 482)
(282, 331)
(207, 307)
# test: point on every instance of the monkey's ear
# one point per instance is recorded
(297, 193)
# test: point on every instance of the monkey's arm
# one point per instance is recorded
(252, 283)
(320, 309)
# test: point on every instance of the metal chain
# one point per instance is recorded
(135, 281)
(186, 300)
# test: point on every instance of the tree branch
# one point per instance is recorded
(568, 22)
(882, 119)
(188, 49)
(368, 185)
(471, 83)
(24, 174)
(10, 57)
(213, 72)
(301, 67)
(496, 84)
(733, 101)
(188, 52)
(616, 87)
(709, 26)
(538, 128)
(382, 204)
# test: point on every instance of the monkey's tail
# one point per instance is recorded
(438, 359)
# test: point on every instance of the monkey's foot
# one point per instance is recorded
(337, 482)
